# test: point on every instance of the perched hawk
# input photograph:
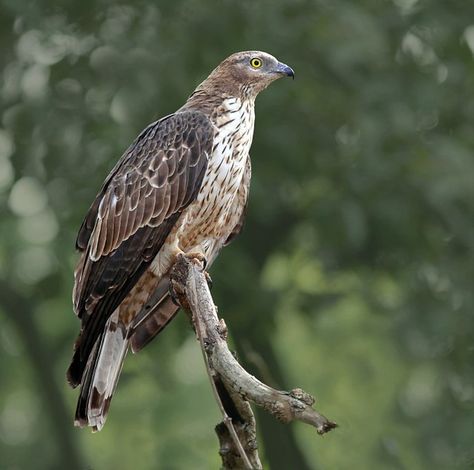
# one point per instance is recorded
(181, 187)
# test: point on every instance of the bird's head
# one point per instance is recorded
(248, 73)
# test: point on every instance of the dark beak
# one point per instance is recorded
(285, 70)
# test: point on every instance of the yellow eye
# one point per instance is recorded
(256, 63)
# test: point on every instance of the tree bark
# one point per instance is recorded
(237, 386)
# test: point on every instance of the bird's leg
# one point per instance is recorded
(175, 291)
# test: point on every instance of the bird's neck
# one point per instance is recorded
(212, 94)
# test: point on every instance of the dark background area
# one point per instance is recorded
(353, 277)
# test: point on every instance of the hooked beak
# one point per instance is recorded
(285, 70)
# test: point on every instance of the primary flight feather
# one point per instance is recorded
(181, 187)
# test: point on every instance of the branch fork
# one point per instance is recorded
(232, 385)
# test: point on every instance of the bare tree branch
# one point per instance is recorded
(245, 426)
(238, 387)
(226, 446)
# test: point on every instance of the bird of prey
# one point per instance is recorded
(180, 188)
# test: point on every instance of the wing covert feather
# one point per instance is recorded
(157, 177)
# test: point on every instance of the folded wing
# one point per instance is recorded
(137, 207)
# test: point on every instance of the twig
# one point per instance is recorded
(191, 289)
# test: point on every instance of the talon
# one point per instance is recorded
(198, 256)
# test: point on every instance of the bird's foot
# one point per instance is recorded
(203, 262)
(177, 280)
(197, 255)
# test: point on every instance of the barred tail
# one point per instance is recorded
(158, 311)
(101, 374)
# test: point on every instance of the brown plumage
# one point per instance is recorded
(181, 187)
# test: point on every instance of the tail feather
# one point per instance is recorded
(157, 312)
(101, 374)
(149, 327)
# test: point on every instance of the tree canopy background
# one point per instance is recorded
(353, 277)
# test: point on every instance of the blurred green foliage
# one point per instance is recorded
(354, 275)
